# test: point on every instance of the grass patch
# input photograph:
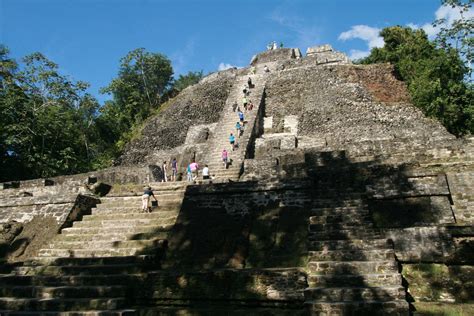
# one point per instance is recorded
(443, 309)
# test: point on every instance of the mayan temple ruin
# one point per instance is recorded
(342, 198)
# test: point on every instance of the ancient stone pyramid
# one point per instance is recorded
(338, 190)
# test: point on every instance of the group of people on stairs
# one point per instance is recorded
(192, 170)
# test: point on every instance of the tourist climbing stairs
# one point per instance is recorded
(94, 265)
(352, 268)
(226, 125)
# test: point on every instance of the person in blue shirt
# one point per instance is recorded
(189, 173)
(238, 128)
(232, 141)
(241, 117)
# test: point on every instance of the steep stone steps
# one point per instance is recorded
(117, 312)
(126, 222)
(226, 124)
(83, 253)
(352, 267)
(48, 292)
(113, 230)
(349, 244)
(135, 210)
(355, 280)
(101, 244)
(331, 226)
(76, 280)
(74, 270)
(140, 260)
(345, 294)
(129, 216)
(61, 303)
(342, 234)
(134, 200)
(392, 307)
(351, 255)
(346, 219)
(113, 237)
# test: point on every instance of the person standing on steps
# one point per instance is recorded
(189, 174)
(249, 83)
(164, 168)
(225, 157)
(174, 169)
(146, 199)
(250, 105)
(238, 129)
(194, 169)
(234, 106)
(205, 173)
(241, 117)
(244, 102)
(245, 91)
(232, 141)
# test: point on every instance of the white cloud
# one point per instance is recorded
(365, 33)
(224, 66)
(358, 54)
(449, 14)
(371, 34)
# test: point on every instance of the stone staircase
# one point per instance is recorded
(93, 265)
(220, 139)
(352, 268)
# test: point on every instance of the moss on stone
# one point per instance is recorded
(439, 282)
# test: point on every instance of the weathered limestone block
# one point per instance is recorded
(325, 54)
(398, 185)
(411, 211)
(461, 185)
(268, 124)
(291, 124)
(265, 146)
(418, 244)
(287, 142)
(279, 54)
(199, 133)
(313, 142)
(297, 53)
(319, 49)
(246, 285)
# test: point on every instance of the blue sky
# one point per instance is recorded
(88, 37)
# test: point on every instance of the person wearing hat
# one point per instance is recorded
(146, 199)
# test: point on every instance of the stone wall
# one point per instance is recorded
(196, 105)
(332, 106)
(324, 54)
(276, 287)
(241, 225)
(461, 185)
(274, 55)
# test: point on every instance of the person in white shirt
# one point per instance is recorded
(205, 172)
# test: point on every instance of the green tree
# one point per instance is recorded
(434, 76)
(459, 33)
(47, 120)
(142, 79)
(192, 77)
